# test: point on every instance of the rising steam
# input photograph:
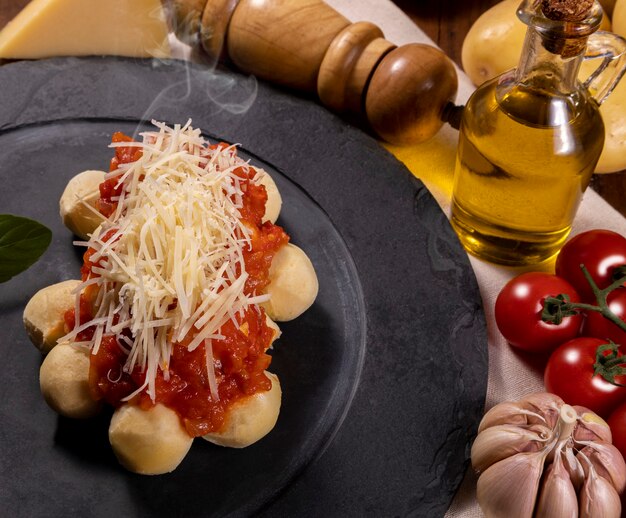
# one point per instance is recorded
(227, 93)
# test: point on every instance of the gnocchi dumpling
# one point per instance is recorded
(148, 442)
(293, 284)
(250, 419)
(64, 381)
(274, 199)
(77, 204)
(44, 314)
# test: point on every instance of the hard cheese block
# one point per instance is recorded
(46, 28)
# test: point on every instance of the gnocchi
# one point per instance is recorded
(180, 264)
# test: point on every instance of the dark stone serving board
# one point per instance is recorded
(384, 378)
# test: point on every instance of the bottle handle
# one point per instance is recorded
(611, 48)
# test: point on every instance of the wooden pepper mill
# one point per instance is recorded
(307, 45)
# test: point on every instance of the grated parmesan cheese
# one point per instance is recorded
(170, 259)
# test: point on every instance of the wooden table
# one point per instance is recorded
(447, 23)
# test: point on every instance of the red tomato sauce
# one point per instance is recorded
(240, 358)
(110, 189)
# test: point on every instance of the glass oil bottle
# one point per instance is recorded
(530, 140)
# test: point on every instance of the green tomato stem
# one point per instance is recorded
(567, 308)
(609, 365)
(556, 308)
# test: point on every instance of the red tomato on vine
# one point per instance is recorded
(601, 251)
(519, 309)
(575, 373)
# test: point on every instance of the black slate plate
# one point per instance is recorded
(332, 333)
(400, 291)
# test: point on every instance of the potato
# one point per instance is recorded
(497, 28)
(81, 193)
(250, 419)
(44, 314)
(148, 442)
(274, 200)
(619, 18)
(64, 382)
(293, 284)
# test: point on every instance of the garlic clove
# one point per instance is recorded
(591, 427)
(557, 497)
(598, 497)
(509, 487)
(511, 412)
(504, 413)
(545, 404)
(608, 463)
(574, 468)
(501, 441)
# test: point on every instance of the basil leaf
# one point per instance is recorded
(22, 243)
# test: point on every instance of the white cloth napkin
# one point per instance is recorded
(511, 375)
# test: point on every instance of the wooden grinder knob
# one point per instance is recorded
(307, 45)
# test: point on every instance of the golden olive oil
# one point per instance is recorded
(523, 163)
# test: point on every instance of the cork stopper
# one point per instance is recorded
(566, 10)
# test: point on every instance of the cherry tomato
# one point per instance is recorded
(600, 327)
(518, 312)
(617, 423)
(601, 251)
(570, 375)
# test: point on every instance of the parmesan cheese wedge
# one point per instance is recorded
(47, 28)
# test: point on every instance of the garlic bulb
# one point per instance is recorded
(541, 458)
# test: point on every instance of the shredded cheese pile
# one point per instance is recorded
(170, 259)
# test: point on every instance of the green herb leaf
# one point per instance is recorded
(22, 243)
